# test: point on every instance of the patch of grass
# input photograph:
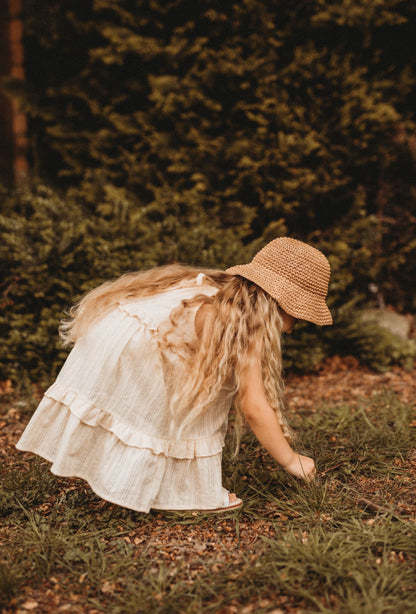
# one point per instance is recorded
(367, 436)
(11, 578)
(352, 569)
(294, 547)
(28, 484)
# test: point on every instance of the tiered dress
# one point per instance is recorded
(107, 418)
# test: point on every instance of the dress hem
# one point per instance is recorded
(96, 490)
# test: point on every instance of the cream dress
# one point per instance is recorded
(106, 418)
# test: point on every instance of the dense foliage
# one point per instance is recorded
(182, 130)
(53, 251)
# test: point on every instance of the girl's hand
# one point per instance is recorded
(301, 467)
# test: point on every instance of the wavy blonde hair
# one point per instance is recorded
(242, 321)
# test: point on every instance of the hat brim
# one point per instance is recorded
(296, 301)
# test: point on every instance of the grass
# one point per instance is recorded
(293, 548)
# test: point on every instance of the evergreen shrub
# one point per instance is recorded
(373, 345)
(283, 118)
(197, 132)
(54, 249)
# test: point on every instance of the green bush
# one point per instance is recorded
(197, 132)
(350, 335)
(53, 250)
(280, 118)
(372, 344)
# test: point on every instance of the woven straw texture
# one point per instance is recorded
(293, 273)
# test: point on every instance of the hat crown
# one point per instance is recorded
(295, 274)
(297, 262)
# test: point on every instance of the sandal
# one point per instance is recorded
(235, 504)
(230, 506)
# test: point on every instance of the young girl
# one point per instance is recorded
(140, 407)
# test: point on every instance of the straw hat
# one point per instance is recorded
(293, 273)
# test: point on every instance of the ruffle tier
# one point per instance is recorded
(125, 475)
(88, 413)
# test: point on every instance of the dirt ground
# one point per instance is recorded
(345, 380)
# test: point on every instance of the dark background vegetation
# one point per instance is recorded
(171, 130)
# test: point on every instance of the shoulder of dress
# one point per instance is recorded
(154, 309)
(196, 281)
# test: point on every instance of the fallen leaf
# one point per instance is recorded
(107, 587)
(30, 605)
(6, 387)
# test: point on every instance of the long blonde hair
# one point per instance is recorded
(243, 320)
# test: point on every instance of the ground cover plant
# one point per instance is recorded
(345, 544)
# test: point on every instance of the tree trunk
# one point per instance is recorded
(13, 141)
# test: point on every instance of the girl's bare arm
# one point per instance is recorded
(265, 425)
